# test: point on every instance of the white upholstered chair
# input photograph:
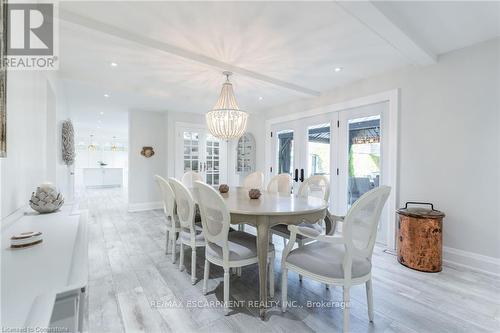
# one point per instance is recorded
(169, 207)
(254, 180)
(281, 183)
(233, 249)
(190, 177)
(190, 234)
(317, 186)
(343, 260)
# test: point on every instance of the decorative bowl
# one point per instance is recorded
(254, 193)
(223, 188)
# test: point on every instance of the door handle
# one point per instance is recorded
(301, 175)
(296, 177)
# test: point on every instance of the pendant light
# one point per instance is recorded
(113, 144)
(92, 146)
(226, 121)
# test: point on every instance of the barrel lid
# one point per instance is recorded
(420, 212)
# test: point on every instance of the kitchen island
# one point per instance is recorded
(103, 177)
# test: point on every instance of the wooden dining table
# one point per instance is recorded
(269, 210)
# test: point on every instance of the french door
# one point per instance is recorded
(344, 146)
(197, 150)
(302, 148)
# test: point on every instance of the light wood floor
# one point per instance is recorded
(129, 271)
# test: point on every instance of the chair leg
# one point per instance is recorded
(301, 243)
(172, 236)
(193, 265)
(346, 309)
(271, 277)
(167, 242)
(284, 288)
(206, 273)
(369, 299)
(238, 271)
(226, 290)
(181, 259)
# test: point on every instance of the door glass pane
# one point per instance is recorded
(190, 151)
(212, 173)
(318, 147)
(285, 152)
(364, 156)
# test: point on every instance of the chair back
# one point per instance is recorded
(254, 180)
(215, 217)
(361, 222)
(185, 205)
(190, 177)
(316, 186)
(281, 183)
(168, 197)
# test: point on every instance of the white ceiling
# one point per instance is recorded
(444, 26)
(170, 55)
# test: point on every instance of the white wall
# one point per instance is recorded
(146, 129)
(449, 139)
(25, 165)
(31, 137)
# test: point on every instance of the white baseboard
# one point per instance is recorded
(454, 257)
(142, 206)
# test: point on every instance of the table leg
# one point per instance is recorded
(262, 244)
(329, 225)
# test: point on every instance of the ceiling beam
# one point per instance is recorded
(371, 17)
(108, 29)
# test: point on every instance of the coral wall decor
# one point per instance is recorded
(68, 143)
(147, 152)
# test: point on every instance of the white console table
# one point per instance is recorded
(37, 278)
(103, 177)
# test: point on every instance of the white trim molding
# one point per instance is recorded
(142, 206)
(470, 260)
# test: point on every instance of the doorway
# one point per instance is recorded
(353, 147)
(199, 151)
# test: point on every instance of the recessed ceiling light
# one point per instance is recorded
(261, 98)
(113, 64)
(106, 95)
(338, 69)
(101, 113)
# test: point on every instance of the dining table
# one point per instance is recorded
(268, 210)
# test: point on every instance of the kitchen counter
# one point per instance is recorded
(103, 177)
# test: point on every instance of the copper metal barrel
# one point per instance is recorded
(420, 237)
